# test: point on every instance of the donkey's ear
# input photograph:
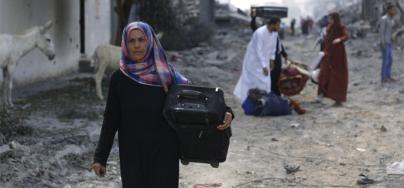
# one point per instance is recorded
(47, 26)
(160, 35)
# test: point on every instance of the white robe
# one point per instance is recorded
(260, 51)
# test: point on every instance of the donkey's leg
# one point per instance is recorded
(3, 89)
(10, 89)
(5, 86)
(9, 86)
(99, 75)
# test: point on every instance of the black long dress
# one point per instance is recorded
(148, 147)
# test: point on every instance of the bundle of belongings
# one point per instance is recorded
(293, 78)
(195, 112)
(261, 103)
(315, 67)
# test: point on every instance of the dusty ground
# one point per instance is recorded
(55, 127)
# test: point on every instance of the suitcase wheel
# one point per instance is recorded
(184, 162)
(214, 165)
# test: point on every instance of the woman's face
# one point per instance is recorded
(137, 45)
(330, 20)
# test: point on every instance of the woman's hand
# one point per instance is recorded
(272, 65)
(336, 41)
(228, 117)
(265, 71)
(99, 169)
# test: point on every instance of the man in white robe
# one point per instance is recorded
(259, 60)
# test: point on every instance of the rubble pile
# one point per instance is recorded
(213, 64)
(352, 18)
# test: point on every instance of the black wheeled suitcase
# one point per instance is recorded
(204, 146)
(195, 112)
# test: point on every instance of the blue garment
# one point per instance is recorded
(249, 107)
(387, 55)
(270, 105)
(275, 105)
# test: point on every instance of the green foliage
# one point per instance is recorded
(161, 16)
(158, 13)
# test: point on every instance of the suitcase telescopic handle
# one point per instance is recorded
(190, 94)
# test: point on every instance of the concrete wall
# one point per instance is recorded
(65, 33)
(97, 24)
(207, 11)
(372, 10)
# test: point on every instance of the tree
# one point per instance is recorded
(158, 13)
(122, 9)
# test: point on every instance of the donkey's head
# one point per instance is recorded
(44, 41)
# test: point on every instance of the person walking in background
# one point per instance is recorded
(253, 23)
(386, 33)
(292, 26)
(333, 78)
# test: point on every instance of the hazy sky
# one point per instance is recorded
(245, 4)
(297, 8)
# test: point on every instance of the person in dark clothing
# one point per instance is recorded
(148, 146)
(305, 26)
(253, 23)
(276, 71)
(292, 26)
(277, 67)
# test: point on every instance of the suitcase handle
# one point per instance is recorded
(190, 94)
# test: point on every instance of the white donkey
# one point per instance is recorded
(105, 57)
(14, 47)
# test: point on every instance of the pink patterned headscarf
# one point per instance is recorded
(154, 69)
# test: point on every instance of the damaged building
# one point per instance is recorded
(74, 25)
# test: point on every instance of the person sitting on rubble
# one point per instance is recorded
(257, 64)
(148, 146)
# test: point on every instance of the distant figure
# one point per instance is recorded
(333, 78)
(253, 23)
(310, 24)
(386, 35)
(292, 26)
(323, 23)
(305, 26)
